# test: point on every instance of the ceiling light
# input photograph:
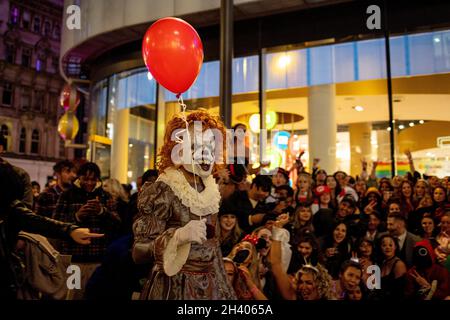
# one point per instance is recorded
(388, 129)
(437, 39)
(284, 61)
(401, 127)
(421, 121)
(358, 108)
(411, 124)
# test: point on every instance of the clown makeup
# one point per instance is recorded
(202, 151)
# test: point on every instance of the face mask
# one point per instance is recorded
(202, 153)
(422, 258)
(241, 256)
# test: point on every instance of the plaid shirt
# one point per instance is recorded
(46, 203)
(108, 222)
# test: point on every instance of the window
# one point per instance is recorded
(26, 18)
(41, 62)
(25, 99)
(23, 140)
(26, 57)
(37, 24)
(10, 53)
(47, 28)
(39, 101)
(5, 132)
(15, 14)
(7, 94)
(35, 141)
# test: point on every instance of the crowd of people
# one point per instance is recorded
(284, 234)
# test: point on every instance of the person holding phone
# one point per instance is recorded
(88, 205)
(15, 216)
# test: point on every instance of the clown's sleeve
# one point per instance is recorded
(151, 231)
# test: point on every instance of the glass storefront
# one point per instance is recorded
(331, 97)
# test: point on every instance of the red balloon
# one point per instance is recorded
(173, 53)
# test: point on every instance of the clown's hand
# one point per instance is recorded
(193, 231)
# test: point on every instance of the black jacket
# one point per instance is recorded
(20, 218)
(240, 204)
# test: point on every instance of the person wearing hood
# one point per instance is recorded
(89, 206)
(426, 280)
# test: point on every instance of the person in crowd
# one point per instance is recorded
(15, 216)
(365, 252)
(441, 205)
(66, 174)
(393, 269)
(320, 177)
(341, 178)
(396, 184)
(230, 179)
(372, 201)
(336, 248)
(443, 239)
(279, 178)
(87, 204)
(355, 295)
(229, 233)
(387, 192)
(349, 280)
(27, 198)
(424, 207)
(36, 189)
(426, 280)
(428, 227)
(245, 253)
(312, 282)
(406, 197)
(361, 189)
(301, 220)
(306, 251)
(375, 226)
(240, 279)
(128, 188)
(323, 199)
(118, 277)
(396, 226)
(120, 197)
(284, 200)
(420, 191)
(303, 194)
(357, 223)
(250, 205)
(176, 227)
(433, 181)
(335, 189)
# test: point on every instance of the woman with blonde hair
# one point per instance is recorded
(120, 197)
(115, 189)
(245, 257)
(310, 282)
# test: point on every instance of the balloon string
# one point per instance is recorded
(179, 140)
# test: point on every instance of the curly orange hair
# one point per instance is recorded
(207, 120)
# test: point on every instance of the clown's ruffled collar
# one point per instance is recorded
(200, 203)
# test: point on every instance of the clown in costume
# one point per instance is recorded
(175, 229)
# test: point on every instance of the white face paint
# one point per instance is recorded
(203, 147)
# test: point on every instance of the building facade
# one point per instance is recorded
(30, 84)
(325, 81)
